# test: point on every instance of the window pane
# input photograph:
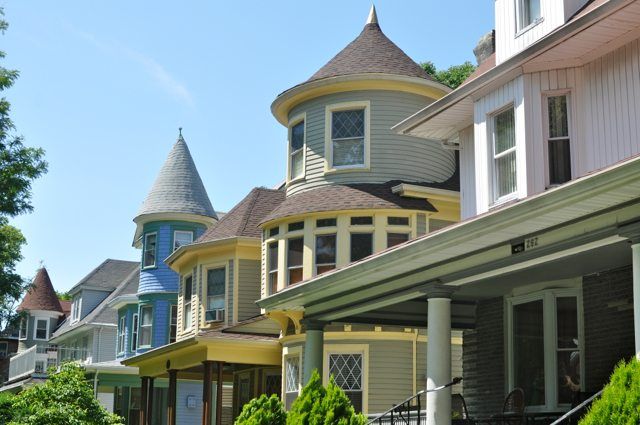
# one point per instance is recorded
(346, 369)
(347, 124)
(559, 161)
(398, 221)
(505, 133)
(567, 320)
(215, 281)
(295, 275)
(505, 169)
(274, 231)
(325, 253)
(41, 329)
(298, 225)
(273, 256)
(348, 152)
(394, 239)
(291, 380)
(150, 250)
(528, 351)
(296, 164)
(181, 238)
(188, 289)
(297, 136)
(294, 256)
(146, 315)
(326, 222)
(558, 120)
(533, 11)
(361, 245)
(568, 375)
(361, 221)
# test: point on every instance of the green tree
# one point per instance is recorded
(64, 296)
(65, 398)
(453, 76)
(263, 411)
(19, 166)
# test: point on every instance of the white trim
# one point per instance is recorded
(545, 131)
(491, 130)
(328, 141)
(122, 335)
(140, 326)
(184, 304)
(155, 253)
(520, 28)
(175, 232)
(362, 349)
(35, 328)
(292, 123)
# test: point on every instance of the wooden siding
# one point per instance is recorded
(104, 344)
(390, 373)
(392, 156)
(230, 292)
(248, 288)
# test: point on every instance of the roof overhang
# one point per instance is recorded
(570, 45)
(406, 268)
(111, 367)
(185, 252)
(310, 90)
(123, 300)
(142, 219)
(424, 192)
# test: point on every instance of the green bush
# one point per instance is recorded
(65, 398)
(263, 411)
(620, 400)
(6, 407)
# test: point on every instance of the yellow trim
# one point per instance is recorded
(366, 335)
(203, 291)
(295, 121)
(188, 253)
(286, 101)
(291, 352)
(328, 143)
(349, 349)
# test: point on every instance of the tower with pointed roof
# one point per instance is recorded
(176, 212)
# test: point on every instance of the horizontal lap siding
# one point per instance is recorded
(230, 292)
(248, 288)
(390, 373)
(392, 156)
(105, 346)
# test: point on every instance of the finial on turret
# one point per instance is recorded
(180, 133)
(373, 16)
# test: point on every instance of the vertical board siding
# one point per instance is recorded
(467, 174)
(392, 156)
(248, 288)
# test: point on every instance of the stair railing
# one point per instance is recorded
(570, 415)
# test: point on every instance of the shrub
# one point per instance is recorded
(65, 398)
(263, 411)
(620, 400)
(6, 406)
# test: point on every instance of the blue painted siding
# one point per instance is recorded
(161, 324)
(184, 414)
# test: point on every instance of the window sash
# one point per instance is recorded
(348, 132)
(295, 252)
(24, 328)
(358, 250)
(272, 266)
(134, 333)
(146, 326)
(325, 255)
(558, 139)
(173, 324)
(528, 13)
(121, 335)
(149, 257)
(347, 370)
(182, 237)
(41, 332)
(187, 299)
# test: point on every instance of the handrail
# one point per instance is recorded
(408, 400)
(577, 408)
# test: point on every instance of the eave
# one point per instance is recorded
(185, 252)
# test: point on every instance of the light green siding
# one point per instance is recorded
(392, 156)
(248, 288)
(230, 292)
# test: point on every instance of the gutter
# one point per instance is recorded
(539, 47)
(185, 249)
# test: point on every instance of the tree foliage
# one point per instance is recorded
(263, 411)
(65, 398)
(19, 166)
(64, 296)
(453, 76)
(620, 400)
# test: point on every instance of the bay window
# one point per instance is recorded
(294, 260)
(121, 334)
(146, 325)
(394, 239)
(347, 371)
(272, 266)
(361, 245)
(545, 347)
(503, 138)
(292, 379)
(296, 150)
(186, 309)
(173, 324)
(325, 253)
(134, 333)
(558, 147)
(216, 279)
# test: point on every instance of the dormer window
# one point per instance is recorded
(347, 139)
(528, 12)
(149, 256)
(76, 308)
(182, 237)
(296, 149)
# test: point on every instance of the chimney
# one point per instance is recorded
(486, 46)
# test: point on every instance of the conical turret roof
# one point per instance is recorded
(371, 53)
(178, 187)
(41, 295)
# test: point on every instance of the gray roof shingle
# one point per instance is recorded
(178, 187)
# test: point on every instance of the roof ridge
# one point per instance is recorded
(245, 219)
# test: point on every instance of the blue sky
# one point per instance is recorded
(105, 85)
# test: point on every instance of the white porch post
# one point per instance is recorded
(635, 255)
(439, 358)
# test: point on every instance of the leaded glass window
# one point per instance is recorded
(346, 370)
(292, 379)
(347, 138)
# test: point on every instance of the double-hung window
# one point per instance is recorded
(348, 137)
(134, 333)
(292, 379)
(181, 237)
(216, 280)
(24, 324)
(361, 245)
(325, 253)
(146, 325)
(296, 150)
(545, 347)
(294, 260)
(503, 154)
(173, 324)
(186, 309)
(272, 260)
(528, 12)
(121, 334)
(41, 330)
(149, 256)
(558, 147)
(76, 307)
(346, 369)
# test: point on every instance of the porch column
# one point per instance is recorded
(313, 349)
(219, 394)
(144, 399)
(150, 402)
(207, 381)
(635, 259)
(439, 357)
(171, 402)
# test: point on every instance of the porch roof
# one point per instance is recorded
(458, 254)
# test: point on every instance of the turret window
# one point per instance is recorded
(394, 239)
(325, 253)
(216, 282)
(296, 150)
(24, 322)
(149, 256)
(294, 260)
(347, 138)
(361, 245)
(273, 267)
(181, 237)
(41, 331)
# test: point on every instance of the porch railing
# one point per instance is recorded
(572, 416)
(23, 363)
(39, 358)
(409, 412)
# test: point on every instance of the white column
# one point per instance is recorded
(635, 259)
(439, 360)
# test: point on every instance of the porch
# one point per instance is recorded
(543, 289)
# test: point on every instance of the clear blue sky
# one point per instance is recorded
(105, 85)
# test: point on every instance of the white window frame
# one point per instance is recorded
(35, 328)
(141, 325)
(206, 289)
(548, 297)
(76, 308)
(287, 353)
(173, 324)
(122, 334)
(183, 232)
(144, 251)
(300, 267)
(362, 349)
(186, 303)
(272, 269)
(292, 123)
(135, 321)
(521, 27)
(545, 119)
(328, 141)
(23, 336)
(495, 200)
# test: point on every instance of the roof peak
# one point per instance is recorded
(41, 295)
(373, 16)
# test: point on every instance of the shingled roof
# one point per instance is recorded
(244, 218)
(350, 197)
(178, 187)
(371, 53)
(41, 295)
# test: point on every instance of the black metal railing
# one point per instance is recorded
(409, 412)
(572, 416)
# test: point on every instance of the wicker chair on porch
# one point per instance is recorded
(459, 412)
(512, 410)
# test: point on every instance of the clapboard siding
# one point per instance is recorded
(390, 373)
(248, 288)
(230, 292)
(392, 156)
(105, 345)
(467, 174)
